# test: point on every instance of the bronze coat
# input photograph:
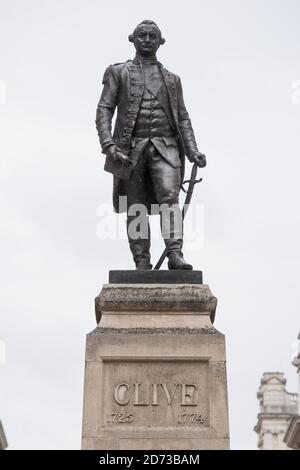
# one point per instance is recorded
(123, 89)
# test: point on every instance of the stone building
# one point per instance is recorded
(3, 441)
(292, 436)
(278, 424)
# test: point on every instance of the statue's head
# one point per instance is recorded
(146, 38)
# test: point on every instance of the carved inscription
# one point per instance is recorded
(131, 397)
(140, 395)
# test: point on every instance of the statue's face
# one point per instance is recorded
(147, 40)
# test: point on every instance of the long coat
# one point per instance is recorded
(123, 89)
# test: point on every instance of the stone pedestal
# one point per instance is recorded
(155, 374)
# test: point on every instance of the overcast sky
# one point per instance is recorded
(239, 65)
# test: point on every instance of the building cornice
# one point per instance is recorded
(271, 416)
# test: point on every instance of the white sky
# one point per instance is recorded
(238, 61)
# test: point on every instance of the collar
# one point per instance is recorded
(145, 61)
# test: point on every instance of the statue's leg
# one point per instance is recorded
(166, 183)
(139, 247)
(138, 228)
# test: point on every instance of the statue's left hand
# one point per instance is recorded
(200, 159)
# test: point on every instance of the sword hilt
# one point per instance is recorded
(191, 181)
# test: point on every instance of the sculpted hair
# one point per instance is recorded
(147, 22)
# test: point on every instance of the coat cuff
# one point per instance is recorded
(106, 145)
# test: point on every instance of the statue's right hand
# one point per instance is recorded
(122, 158)
(111, 151)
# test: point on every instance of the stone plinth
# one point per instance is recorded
(155, 373)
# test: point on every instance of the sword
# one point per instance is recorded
(189, 192)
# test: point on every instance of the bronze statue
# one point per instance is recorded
(152, 135)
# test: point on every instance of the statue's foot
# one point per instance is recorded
(143, 265)
(176, 261)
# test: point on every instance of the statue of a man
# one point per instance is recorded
(152, 135)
